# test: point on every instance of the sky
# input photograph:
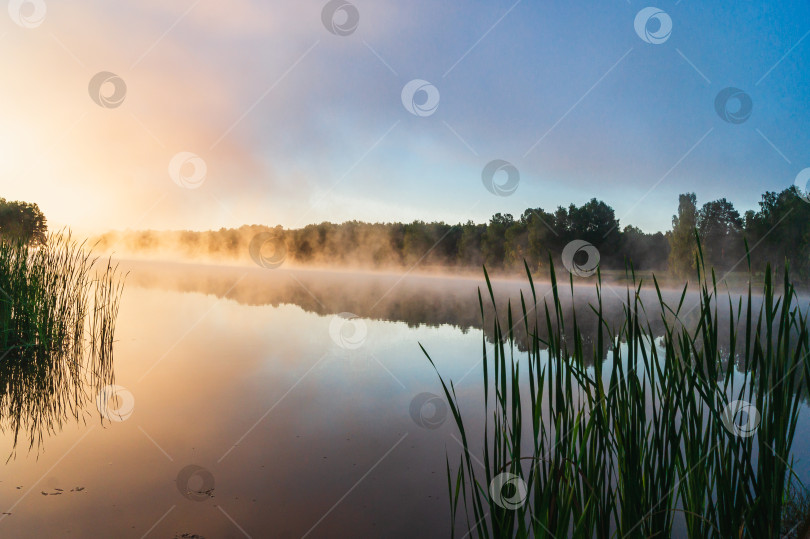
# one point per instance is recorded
(201, 114)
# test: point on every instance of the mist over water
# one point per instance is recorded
(387, 259)
(287, 386)
(362, 247)
(437, 298)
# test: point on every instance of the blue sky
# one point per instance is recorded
(298, 125)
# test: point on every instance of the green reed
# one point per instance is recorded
(58, 307)
(631, 446)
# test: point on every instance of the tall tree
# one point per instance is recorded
(22, 221)
(469, 244)
(780, 232)
(720, 228)
(493, 245)
(682, 239)
(542, 237)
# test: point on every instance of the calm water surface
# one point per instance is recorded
(299, 418)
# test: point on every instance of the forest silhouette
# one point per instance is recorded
(776, 234)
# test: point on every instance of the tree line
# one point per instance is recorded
(776, 233)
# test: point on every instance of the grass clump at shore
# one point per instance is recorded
(58, 308)
(689, 432)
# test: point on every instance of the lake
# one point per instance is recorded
(280, 404)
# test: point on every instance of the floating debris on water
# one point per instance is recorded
(58, 491)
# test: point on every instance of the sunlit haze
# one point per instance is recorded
(296, 124)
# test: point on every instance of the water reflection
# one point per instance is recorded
(41, 389)
(285, 420)
(57, 325)
(432, 301)
(254, 408)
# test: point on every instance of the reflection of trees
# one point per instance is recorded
(419, 300)
(435, 301)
